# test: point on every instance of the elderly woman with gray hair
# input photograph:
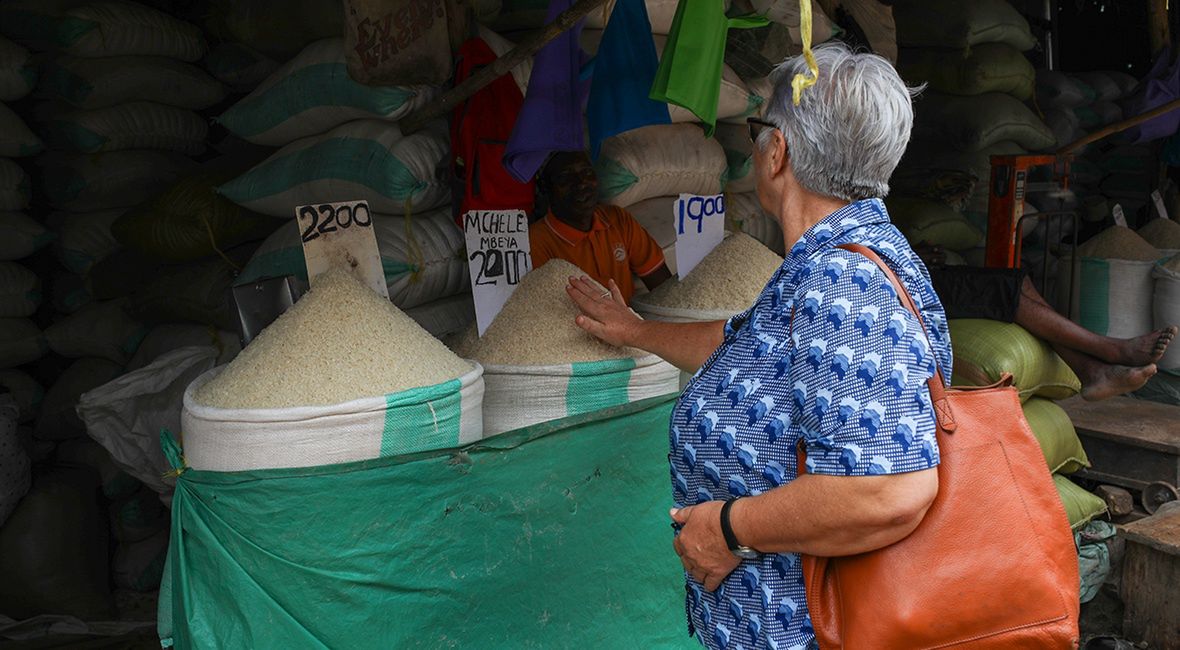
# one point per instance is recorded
(826, 361)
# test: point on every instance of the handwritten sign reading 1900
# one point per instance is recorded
(497, 258)
(700, 226)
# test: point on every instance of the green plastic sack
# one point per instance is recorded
(1054, 431)
(936, 223)
(551, 536)
(1080, 505)
(974, 123)
(986, 349)
(990, 67)
(955, 24)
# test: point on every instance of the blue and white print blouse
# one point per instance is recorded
(848, 378)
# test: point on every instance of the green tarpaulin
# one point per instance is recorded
(552, 536)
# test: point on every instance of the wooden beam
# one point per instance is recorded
(486, 75)
(1159, 33)
(1120, 126)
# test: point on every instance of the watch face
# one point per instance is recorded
(746, 553)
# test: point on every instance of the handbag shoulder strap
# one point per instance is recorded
(938, 393)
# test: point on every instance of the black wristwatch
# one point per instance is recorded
(735, 547)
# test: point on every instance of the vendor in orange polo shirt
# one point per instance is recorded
(605, 241)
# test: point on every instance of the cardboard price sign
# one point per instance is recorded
(340, 236)
(700, 226)
(498, 256)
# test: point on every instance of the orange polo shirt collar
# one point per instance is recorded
(568, 233)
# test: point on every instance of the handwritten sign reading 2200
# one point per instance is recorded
(497, 258)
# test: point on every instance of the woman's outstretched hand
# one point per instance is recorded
(604, 312)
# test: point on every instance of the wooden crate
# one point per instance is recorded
(1151, 580)
(1131, 443)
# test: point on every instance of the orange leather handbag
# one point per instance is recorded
(993, 562)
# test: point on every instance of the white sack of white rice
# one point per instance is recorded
(1119, 243)
(536, 326)
(727, 279)
(340, 342)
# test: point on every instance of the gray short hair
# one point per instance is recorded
(850, 129)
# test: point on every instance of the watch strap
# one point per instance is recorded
(727, 530)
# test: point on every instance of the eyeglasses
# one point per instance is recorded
(756, 124)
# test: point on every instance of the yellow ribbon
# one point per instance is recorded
(802, 81)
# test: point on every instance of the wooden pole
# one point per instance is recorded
(486, 75)
(1159, 32)
(1120, 126)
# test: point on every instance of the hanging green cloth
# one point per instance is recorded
(690, 70)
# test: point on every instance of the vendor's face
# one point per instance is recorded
(573, 185)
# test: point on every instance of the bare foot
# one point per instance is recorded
(1108, 381)
(1144, 350)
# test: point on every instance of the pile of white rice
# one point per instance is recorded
(1161, 233)
(1119, 243)
(340, 342)
(728, 279)
(536, 326)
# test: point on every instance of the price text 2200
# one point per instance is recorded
(495, 263)
(323, 219)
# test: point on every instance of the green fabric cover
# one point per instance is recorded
(1055, 433)
(986, 349)
(1080, 505)
(989, 67)
(551, 536)
(933, 222)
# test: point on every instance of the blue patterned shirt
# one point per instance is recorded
(848, 378)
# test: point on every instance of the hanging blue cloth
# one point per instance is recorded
(623, 73)
(551, 117)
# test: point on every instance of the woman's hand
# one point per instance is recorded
(604, 312)
(701, 544)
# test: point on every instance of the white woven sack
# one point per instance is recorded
(119, 28)
(366, 159)
(84, 238)
(1110, 297)
(116, 179)
(17, 74)
(15, 476)
(126, 415)
(420, 419)
(520, 396)
(659, 13)
(25, 390)
(744, 213)
(239, 67)
(134, 125)
(660, 160)
(501, 46)
(173, 336)
(657, 216)
(422, 257)
(14, 186)
(16, 140)
(739, 156)
(58, 419)
(100, 329)
(20, 291)
(787, 13)
(1166, 311)
(22, 236)
(312, 94)
(99, 83)
(21, 342)
(445, 315)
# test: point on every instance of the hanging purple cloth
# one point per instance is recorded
(1159, 87)
(551, 117)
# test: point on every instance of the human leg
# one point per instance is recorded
(1100, 379)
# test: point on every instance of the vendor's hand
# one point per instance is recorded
(701, 544)
(604, 313)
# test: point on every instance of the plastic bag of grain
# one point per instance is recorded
(958, 25)
(25, 390)
(422, 256)
(14, 186)
(100, 329)
(540, 366)
(277, 28)
(1112, 285)
(16, 140)
(1080, 505)
(973, 123)
(20, 342)
(20, 291)
(238, 66)
(134, 125)
(661, 160)
(739, 157)
(378, 385)
(984, 68)
(117, 179)
(932, 222)
(313, 94)
(84, 238)
(365, 159)
(1165, 308)
(18, 75)
(23, 236)
(1056, 435)
(98, 83)
(986, 349)
(58, 420)
(726, 282)
(121, 28)
(744, 213)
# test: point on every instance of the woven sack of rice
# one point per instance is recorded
(973, 123)
(18, 74)
(117, 179)
(23, 236)
(16, 139)
(133, 125)
(1112, 285)
(959, 25)
(98, 83)
(984, 68)
(986, 349)
(1056, 435)
(661, 160)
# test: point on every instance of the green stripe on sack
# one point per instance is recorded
(595, 385)
(324, 85)
(70, 30)
(335, 159)
(422, 419)
(74, 137)
(613, 178)
(290, 261)
(1094, 301)
(67, 85)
